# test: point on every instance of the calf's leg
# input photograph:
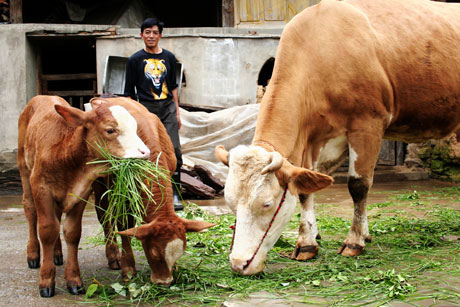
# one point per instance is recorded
(72, 234)
(306, 245)
(33, 245)
(111, 248)
(58, 257)
(48, 229)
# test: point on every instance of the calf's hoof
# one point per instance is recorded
(76, 290)
(350, 250)
(304, 253)
(34, 264)
(58, 260)
(114, 265)
(47, 292)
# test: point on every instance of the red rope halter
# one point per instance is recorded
(266, 232)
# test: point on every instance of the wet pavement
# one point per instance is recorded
(19, 284)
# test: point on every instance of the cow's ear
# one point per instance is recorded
(73, 116)
(195, 226)
(140, 232)
(221, 154)
(303, 180)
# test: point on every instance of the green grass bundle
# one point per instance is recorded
(131, 181)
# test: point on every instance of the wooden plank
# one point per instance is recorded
(15, 11)
(62, 77)
(72, 93)
(228, 13)
(249, 10)
(274, 10)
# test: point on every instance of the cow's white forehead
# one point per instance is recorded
(245, 179)
(126, 122)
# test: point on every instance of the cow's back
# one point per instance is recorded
(393, 59)
(418, 45)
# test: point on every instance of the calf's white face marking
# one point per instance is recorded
(133, 146)
(173, 251)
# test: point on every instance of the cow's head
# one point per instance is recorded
(256, 182)
(109, 125)
(164, 242)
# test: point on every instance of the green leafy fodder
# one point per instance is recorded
(132, 183)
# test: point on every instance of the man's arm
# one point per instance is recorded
(176, 100)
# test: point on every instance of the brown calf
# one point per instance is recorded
(163, 234)
(54, 145)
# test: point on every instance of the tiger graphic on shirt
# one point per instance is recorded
(155, 70)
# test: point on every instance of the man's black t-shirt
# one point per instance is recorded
(153, 75)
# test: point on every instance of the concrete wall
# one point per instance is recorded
(221, 65)
(14, 62)
(18, 80)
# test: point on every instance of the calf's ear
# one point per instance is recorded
(96, 102)
(140, 232)
(221, 154)
(303, 180)
(73, 116)
(195, 226)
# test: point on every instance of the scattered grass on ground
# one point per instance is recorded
(406, 258)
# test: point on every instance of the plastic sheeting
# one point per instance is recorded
(201, 132)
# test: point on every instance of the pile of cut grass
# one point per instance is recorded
(131, 182)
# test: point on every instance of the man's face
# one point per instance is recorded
(151, 37)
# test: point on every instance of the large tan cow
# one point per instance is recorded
(347, 74)
(55, 143)
(163, 234)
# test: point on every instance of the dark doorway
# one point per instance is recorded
(266, 71)
(67, 68)
(175, 14)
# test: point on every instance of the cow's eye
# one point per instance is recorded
(110, 131)
(268, 204)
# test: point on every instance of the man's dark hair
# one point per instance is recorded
(150, 22)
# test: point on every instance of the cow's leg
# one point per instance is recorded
(111, 248)
(48, 229)
(33, 245)
(58, 257)
(306, 245)
(363, 153)
(72, 234)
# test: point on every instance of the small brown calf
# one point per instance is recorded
(54, 145)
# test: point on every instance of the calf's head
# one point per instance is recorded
(259, 185)
(164, 243)
(108, 125)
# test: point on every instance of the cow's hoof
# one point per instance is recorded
(114, 265)
(47, 292)
(368, 239)
(76, 290)
(350, 250)
(59, 260)
(305, 252)
(34, 264)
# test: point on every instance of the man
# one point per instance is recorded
(151, 72)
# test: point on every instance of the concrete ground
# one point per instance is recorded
(19, 284)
